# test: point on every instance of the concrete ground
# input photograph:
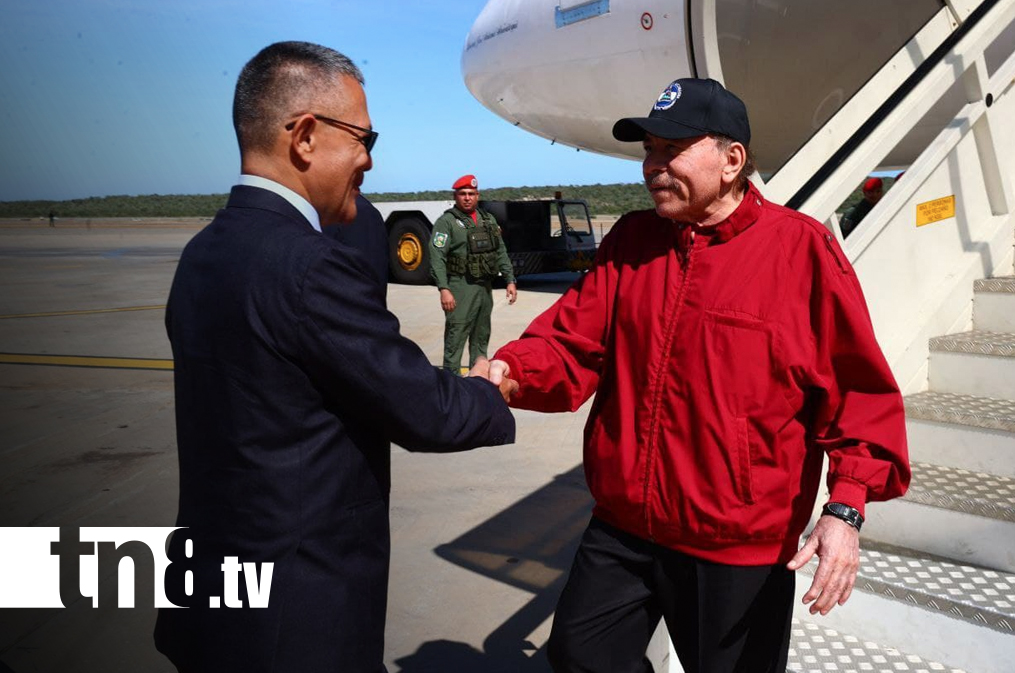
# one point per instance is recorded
(481, 540)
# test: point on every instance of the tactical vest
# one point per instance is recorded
(482, 242)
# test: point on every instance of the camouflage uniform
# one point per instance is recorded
(469, 277)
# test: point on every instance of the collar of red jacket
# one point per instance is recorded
(746, 214)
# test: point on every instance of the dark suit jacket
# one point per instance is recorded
(367, 235)
(291, 380)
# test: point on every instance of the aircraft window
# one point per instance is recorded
(567, 13)
(796, 62)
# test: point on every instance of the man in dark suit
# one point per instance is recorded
(291, 380)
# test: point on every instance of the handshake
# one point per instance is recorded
(498, 373)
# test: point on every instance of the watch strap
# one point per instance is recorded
(850, 515)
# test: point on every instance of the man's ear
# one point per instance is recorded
(303, 140)
(736, 157)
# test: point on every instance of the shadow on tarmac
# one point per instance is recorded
(530, 546)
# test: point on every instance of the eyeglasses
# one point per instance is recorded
(368, 140)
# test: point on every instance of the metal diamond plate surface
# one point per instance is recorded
(983, 597)
(816, 649)
(981, 412)
(999, 344)
(1004, 284)
(986, 495)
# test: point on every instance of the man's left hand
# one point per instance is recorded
(837, 545)
(512, 292)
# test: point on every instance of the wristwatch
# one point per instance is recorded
(848, 514)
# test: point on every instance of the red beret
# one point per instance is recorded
(465, 181)
(872, 184)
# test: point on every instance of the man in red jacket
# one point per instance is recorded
(729, 348)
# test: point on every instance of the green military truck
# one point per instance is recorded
(541, 235)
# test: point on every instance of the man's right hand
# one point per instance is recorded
(447, 300)
(837, 545)
(498, 372)
(507, 386)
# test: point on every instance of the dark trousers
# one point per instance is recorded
(721, 618)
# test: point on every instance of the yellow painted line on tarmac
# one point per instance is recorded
(85, 361)
(84, 312)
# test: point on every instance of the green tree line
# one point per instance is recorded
(613, 199)
(602, 200)
(150, 205)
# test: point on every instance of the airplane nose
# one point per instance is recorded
(530, 62)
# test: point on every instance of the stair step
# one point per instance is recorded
(814, 648)
(976, 342)
(980, 412)
(974, 363)
(994, 304)
(985, 495)
(980, 596)
(971, 433)
(958, 514)
(1000, 285)
(978, 375)
(931, 607)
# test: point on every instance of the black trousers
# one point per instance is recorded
(721, 618)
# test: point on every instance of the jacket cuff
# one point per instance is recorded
(849, 492)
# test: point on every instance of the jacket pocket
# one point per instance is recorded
(738, 363)
(742, 463)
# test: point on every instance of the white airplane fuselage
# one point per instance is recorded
(567, 69)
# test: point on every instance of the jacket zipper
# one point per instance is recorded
(687, 263)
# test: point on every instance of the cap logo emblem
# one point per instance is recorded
(668, 97)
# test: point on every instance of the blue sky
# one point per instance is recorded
(103, 97)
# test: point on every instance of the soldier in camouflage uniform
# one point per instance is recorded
(466, 253)
(872, 190)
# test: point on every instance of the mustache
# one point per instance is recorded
(658, 183)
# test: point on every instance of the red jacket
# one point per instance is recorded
(726, 362)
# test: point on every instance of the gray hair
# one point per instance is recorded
(282, 80)
(723, 143)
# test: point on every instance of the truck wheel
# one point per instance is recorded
(408, 242)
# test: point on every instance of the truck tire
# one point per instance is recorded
(409, 246)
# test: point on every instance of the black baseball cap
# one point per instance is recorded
(690, 107)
